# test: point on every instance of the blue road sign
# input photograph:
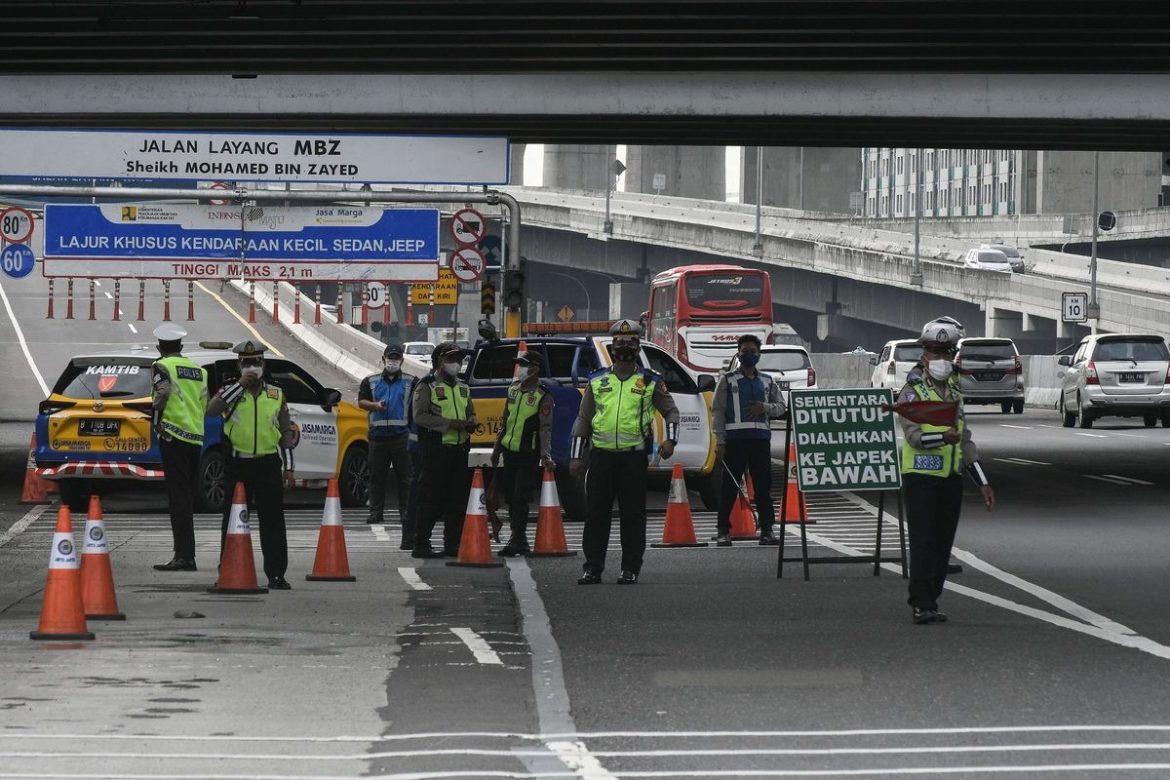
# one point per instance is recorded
(156, 240)
(17, 260)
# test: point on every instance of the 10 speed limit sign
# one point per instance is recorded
(16, 225)
(1074, 306)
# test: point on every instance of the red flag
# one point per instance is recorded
(926, 412)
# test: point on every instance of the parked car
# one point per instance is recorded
(1011, 253)
(894, 363)
(987, 260)
(1116, 375)
(990, 372)
(96, 424)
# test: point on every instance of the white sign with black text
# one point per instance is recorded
(1074, 306)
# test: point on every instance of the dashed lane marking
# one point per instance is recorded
(17, 528)
(1131, 480)
(1092, 435)
(1016, 427)
(478, 646)
(412, 579)
(1106, 479)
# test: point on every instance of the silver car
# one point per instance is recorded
(991, 372)
(1116, 375)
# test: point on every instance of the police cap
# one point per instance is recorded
(444, 349)
(169, 331)
(249, 348)
(530, 358)
(392, 351)
(626, 328)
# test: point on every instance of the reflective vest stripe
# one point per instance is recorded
(735, 413)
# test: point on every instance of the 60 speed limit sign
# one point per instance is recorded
(16, 225)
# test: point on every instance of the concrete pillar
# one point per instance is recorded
(516, 164)
(689, 171)
(578, 166)
(1127, 180)
(808, 178)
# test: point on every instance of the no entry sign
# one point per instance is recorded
(468, 227)
(844, 441)
(467, 264)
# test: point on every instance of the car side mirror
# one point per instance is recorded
(706, 383)
(1064, 360)
(330, 398)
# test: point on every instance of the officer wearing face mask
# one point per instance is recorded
(443, 412)
(257, 424)
(614, 421)
(745, 400)
(933, 458)
(525, 441)
(384, 396)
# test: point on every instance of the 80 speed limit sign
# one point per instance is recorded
(16, 225)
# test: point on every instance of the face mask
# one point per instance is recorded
(940, 369)
(749, 359)
(627, 353)
(451, 369)
(526, 372)
(392, 365)
(252, 371)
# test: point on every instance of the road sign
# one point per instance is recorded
(1074, 307)
(446, 290)
(219, 185)
(298, 244)
(566, 313)
(376, 295)
(844, 441)
(467, 264)
(468, 227)
(17, 260)
(1106, 220)
(16, 225)
(247, 156)
(490, 246)
(487, 298)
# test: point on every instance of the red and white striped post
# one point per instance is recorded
(166, 300)
(317, 314)
(141, 300)
(409, 307)
(386, 306)
(251, 301)
(69, 301)
(296, 304)
(117, 300)
(49, 314)
(92, 300)
(275, 302)
(340, 302)
(365, 307)
(190, 300)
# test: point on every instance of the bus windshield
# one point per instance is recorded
(725, 291)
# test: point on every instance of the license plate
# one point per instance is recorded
(1131, 377)
(89, 427)
(988, 376)
(783, 385)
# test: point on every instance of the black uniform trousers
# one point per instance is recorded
(754, 455)
(932, 516)
(411, 523)
(180, 462)
(443, 491)
(386, 453)
(620, 475)
(521, 475)
(264, 485)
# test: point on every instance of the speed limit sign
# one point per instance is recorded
(16, 225)
(1074, 306)
(376, 295)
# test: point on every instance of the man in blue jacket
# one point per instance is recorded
(385, 397)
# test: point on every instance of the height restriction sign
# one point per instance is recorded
(468, 227)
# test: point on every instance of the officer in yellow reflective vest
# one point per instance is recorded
(442, 410)
(257, 425)
(179, 399)
(525, 441)
(614, 422)
(933, 457)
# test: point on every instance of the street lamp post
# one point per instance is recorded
(1094, 307)
(758, 247)
(584, 289)
(916, 269)
(613, 169)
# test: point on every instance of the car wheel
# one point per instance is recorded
(1084, 419)
(1005, 406)
(212, 481)
(354, 480)
(1018, 406)
(75, 495)
(1150, 420)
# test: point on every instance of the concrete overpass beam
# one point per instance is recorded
(688, 171)
(1003, 323)
(578, 166)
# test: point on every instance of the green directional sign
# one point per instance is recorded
(844, 441)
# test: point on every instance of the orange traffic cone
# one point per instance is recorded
(550, 526)
(475, 548)
(332, 561)
(62, 614)
(794, 502)
(237, 569)
(35, 490)
(521, 348)
(97, 578)
(679, 530)
(743, 521)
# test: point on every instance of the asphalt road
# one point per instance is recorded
(1053, 663)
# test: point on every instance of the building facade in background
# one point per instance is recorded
(996, 182)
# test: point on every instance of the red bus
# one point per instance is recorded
(698, 312)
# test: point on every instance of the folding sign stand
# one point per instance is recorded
(876, 559)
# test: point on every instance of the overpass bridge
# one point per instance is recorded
(855, 277)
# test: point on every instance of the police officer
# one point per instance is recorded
(525, 441)
(384, 396)
(744, 402)
(445, 416)
(256, 424)
(615, 420)
(932, 459)
(179, 398)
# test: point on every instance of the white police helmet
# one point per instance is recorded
(942, 332)
(169, 331)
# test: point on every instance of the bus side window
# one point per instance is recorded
(677, 380)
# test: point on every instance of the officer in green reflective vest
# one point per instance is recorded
(445, 416)
(257, 425)
(525, 441)
(933, 457)
(614, 422)
(179, 399)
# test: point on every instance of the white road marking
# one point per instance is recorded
(1130, 479)
(23, 344)
(17, 528)
(243, 322)
(1131, 435)
(1017, 427)
(130, 325)
(1023, 461)
(1091, 435)
(412, 578)
(98, 282)
(479, 648)
(380, 533)
(107, 295)
(1106, 479)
